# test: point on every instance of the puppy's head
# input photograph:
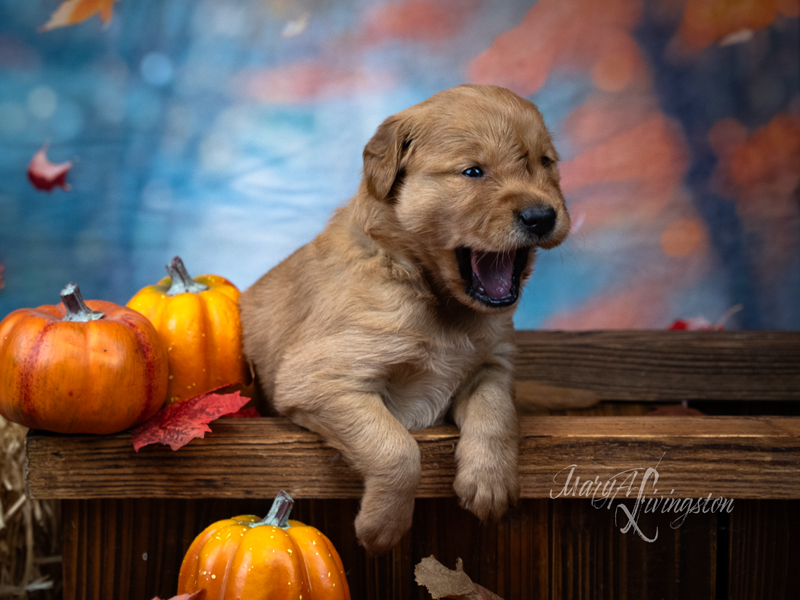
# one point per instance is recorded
(468, 188)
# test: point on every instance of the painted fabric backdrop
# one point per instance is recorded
(226, 131)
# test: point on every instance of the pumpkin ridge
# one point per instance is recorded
(318, 567)
(90, 386)
(28, 375)
(223, 587)
(209, 343)
(222, 326)
(337, 561)
(9, 382)
(304, 571)
(153, 382)
(149, 372)
(187, 578)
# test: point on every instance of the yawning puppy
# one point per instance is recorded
(399, 314)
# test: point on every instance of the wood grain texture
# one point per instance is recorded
(660, 365)
(764, 556)
(591, 558)
(734, 457)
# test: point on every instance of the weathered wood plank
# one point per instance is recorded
(764, 557)
(741, 457)
(660, 365)
(592, 559)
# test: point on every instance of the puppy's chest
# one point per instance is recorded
(419, 393)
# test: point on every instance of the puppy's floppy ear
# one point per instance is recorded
(383, 155)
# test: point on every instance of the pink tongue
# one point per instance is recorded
(494, 270)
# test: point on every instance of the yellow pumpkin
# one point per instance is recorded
(198, 320)
(248, 558)
(80, 367)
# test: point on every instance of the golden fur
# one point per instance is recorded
(371, 330)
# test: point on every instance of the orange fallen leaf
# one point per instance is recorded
(45, 175)
(71, 12)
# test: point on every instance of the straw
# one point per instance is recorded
(30, 564)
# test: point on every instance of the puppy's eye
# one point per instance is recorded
(546, 161)
(473, 172)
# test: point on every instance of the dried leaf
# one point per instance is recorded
(71, 12)
(178, 424)
(45, 175)
(444, 583)
(2, 282)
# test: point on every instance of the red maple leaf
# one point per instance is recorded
(178, 424)
(702, 324)
(695, 324)
(45, 175)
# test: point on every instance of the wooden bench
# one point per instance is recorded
(128, 518)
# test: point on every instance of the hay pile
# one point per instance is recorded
(30, 564)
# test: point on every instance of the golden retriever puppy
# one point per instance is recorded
(399, 314)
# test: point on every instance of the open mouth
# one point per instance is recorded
(492, 277)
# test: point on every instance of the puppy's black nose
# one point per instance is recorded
(539, 220)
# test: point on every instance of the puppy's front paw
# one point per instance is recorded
(486, 479)
(383, 520)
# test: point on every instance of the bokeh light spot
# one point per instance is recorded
(156, 69)
(42, 102)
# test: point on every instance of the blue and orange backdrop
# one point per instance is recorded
(226, 131)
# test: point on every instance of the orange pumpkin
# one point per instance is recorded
(263, 559)
(198, 320)
(80, 367)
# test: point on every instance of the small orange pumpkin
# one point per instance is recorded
(198, 320)
(264, 559)
(80, 367)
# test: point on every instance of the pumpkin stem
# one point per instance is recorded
(278, 515)
(76, 308)
(182, 282)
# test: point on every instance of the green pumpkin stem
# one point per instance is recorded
(278, 515)
(182, 282)
(76, 308)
